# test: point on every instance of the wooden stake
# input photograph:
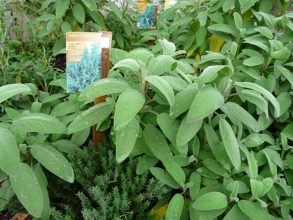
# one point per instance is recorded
(98, 136)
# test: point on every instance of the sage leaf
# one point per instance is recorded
(169, 126)
(195, 178)
(156, 142)
(174, 169)
(254, 61)
(163, 87)
(28, 190)
(102, 87)
(253, 210)
(130, 64)
(92, 116)
(235, 213)
(145, 163)
(53, 161)
(256, 99)
(126, 139)
(175, 207)
(90, 4)
(264, 92)
(78, 13)
(287, 74)
(43, 184)
(61, 7)
(210, 201)
(127, 106)
(169, 48)
(164, 177)
(64, 108)
(210, 73)
(158, 145)
(230, 143)
(9, 153)
(256, 187)
(252, 165)
(183, 100)
(206, 101)
(11, 90)
(38, 122)
(241, 114)
(187, 131)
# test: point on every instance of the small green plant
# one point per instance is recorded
(111, 190)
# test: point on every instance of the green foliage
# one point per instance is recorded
(111, 190)
(212, 120)
(28, 134)
(220, 135)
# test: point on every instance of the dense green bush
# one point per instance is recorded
(217, 130)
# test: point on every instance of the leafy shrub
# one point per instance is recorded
(222, 137)
(27, 134)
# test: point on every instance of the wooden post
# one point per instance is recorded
(105, 67)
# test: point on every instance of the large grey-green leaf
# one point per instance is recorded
(211, 201)
(175, 207)
(64, 108)
(235, 213)
(156, 142)
(241, 114)
(61, 7)
(78, 13)
(169, 48)
(254, 211)
(225, 28)
(90, 4)
(169, 126)
(183, 100)
(53, 161)
(174, 170)
(255, 98)
(9, 153)
(28, 190)
(285, 102)
(130, 64)
(125, 139)
(38, 122)
(127, 106)
(187, 131)
(43, 183)
(158, 145)
(230, 143)
(264, 92)
(161, 64)
(102, 87)
(90, 117)
(206, 102)
(164, 177)
(11, 90)
(163, 87)
(210, 73)
(287, 74)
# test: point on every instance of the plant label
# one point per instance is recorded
(84, 58)
(147, 11)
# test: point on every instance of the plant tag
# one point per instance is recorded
(84, 58)
(147, 13)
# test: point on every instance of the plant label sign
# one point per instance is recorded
(147, 14)
(84, 58)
